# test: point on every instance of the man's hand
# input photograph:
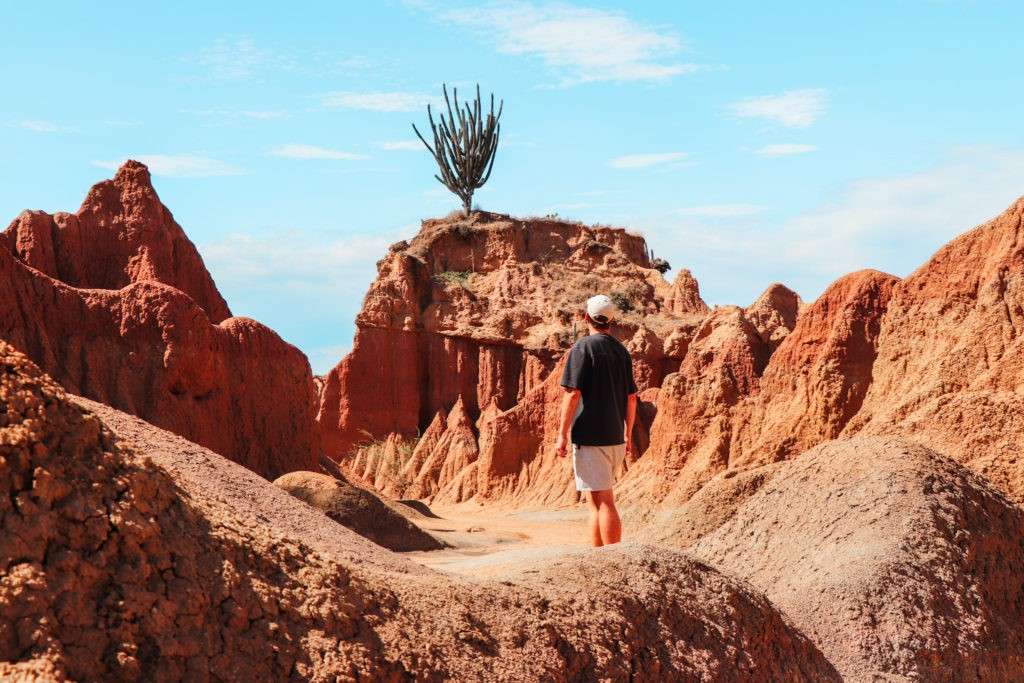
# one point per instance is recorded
(569, 402)
(629, 446)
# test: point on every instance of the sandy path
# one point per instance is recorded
(487, 541)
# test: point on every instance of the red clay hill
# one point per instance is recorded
(467, 322)
(115, 303)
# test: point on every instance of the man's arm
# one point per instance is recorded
(569, 403)
(630, 419)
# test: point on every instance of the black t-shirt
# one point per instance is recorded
(600, 367)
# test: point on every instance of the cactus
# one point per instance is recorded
(464, 155)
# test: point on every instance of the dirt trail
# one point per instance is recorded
(487, 541)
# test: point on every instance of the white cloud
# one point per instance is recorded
(721, 210)
(229, 114)
(314, 152)
(40, 126)
(893, 224)
(237, 59)
(377, 101)
(635, 161)
(302, 285)
(297, 256)
(403, 146)
(177, 165)
(580, 44)
(785, 149)
(796, 108)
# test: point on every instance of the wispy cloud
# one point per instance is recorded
(796, 108)
(263, 114)
(303, 256)
(295, 281)
(177, 165)
(721, 210)
(314, 152)
(238, 59)
(402, 146)
(578, 44)
(229, 115)
(785, 150)
(40, 126)
(634, 161)
(377, 101)
(892, 223)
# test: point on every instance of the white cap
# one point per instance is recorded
(600, 309)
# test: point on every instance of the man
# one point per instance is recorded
(600, 406)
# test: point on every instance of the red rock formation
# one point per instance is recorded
(122, 234)
(147, 347)
(774, 314)
(950, 367)
(816, 380)
(483, 308)
(692, 432)
(936, 358)
(684, 296)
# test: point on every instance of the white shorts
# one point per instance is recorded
(596, 466)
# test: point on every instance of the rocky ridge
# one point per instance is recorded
(138, 324)
(472, 318)
(935, 358)
(950, 367)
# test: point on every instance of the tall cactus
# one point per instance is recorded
(465, 154)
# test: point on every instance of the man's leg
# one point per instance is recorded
(605, 526)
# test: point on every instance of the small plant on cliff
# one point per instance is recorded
(658, 264)
(465, 154)
(621, 302)
(454, 277)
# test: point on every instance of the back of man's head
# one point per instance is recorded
(600, 312)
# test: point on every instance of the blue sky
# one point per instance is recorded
(750, 142)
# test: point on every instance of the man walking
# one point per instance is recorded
(600, 406)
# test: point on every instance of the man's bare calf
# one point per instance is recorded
(605, 526)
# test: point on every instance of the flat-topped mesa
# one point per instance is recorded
(483, 307)
(121, 234)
